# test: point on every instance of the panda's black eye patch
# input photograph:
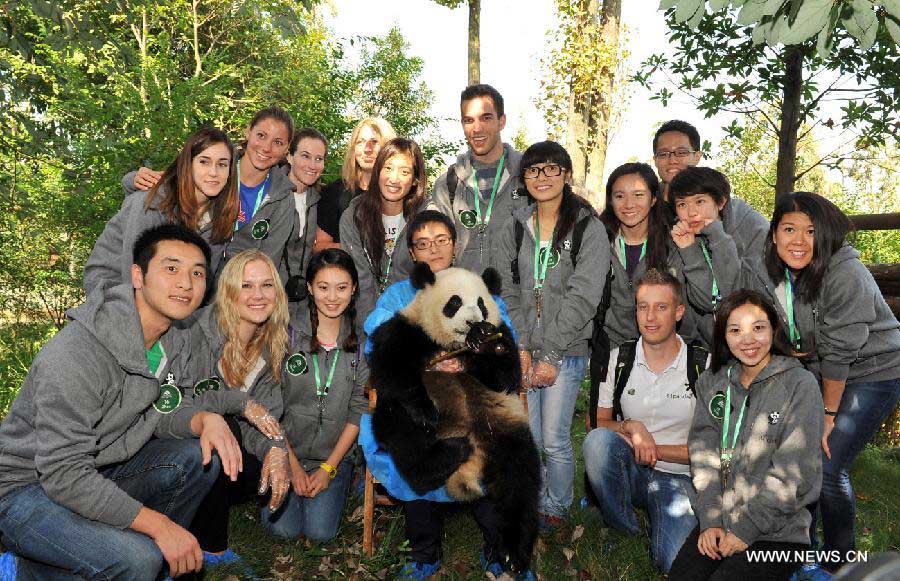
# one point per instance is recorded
(482, 307)
(452, 306)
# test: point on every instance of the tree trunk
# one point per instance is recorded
(474, 42)
(792, 92)
(589, 110)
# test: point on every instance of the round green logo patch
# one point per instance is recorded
(468, 218)
(202, 387)
(296, 364)
(717, 406)
(260, 230)
(169, 399)
(554, 256)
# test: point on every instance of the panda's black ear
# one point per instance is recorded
(421, 276)
(492, 280)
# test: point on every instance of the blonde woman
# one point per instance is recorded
(365, 142)
(240, 344)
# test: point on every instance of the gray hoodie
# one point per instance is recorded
(345, 402)
(506, 202)
(208, 344)
(777, 462)
(88, 403)
(748, 227)
(112, 256)
(280, 209)
(620, 322)
(850, 330)
(570, 295)
(401, 262)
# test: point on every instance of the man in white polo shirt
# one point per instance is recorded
(638, 455)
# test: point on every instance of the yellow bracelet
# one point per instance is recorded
(329, 469)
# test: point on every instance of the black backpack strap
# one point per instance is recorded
(697, 358)
(600, 347)
(514, 263)
(624, 363)
(577, 236)
(452, 183)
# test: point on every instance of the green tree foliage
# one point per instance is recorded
(722, 63)
(90, 89)
(796, 21)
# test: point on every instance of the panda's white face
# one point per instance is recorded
(447, 309)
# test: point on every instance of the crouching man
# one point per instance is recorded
(99, 468)
(638, 456)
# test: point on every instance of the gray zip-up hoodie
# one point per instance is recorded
(300, 247)
(849, 333)
(620, 322)
(748, 227)
(471, 253)
(401, 262)
(208, 344)
(570, 294)
(776, 468)
(87, 403)
(280, 209)
(112, 256)
(345, 402)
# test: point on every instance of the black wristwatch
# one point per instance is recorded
(828, 412)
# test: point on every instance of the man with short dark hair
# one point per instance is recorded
(638, 455)
(99, 471)
(480, 191)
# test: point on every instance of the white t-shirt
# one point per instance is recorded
(300, 203)
(663, 403)
(392, 227)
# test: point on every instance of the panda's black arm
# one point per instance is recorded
(400, 352)
(496, 364)
(424, 461)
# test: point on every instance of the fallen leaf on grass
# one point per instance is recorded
(569, 553)
(585, 575)
(570, 572)
(577, 533)
(540, 546)
(357, 514)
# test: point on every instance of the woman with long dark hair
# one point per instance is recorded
(197, 190)
(552, 293)
(324, 378)
(758, 415)
(373, 228)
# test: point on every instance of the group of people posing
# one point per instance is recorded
(738, 365)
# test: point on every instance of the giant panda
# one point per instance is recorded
(468, 430)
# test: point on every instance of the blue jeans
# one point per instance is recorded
(620, 484)
(52, 542)
(315, 518)
(550, 412)
(865, 405)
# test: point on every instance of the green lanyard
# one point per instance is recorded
(622, 254)
(387, 274)
(320, 392)
(259, 195)
(789, 307)
(540, 264)
(490, 208)
(715, 285)
(726, 451)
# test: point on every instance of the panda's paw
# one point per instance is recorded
(478, 335)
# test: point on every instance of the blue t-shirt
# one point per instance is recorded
(248, 197)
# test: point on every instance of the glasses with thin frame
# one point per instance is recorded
(425, 243)
(551, 170)
(678, 153)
